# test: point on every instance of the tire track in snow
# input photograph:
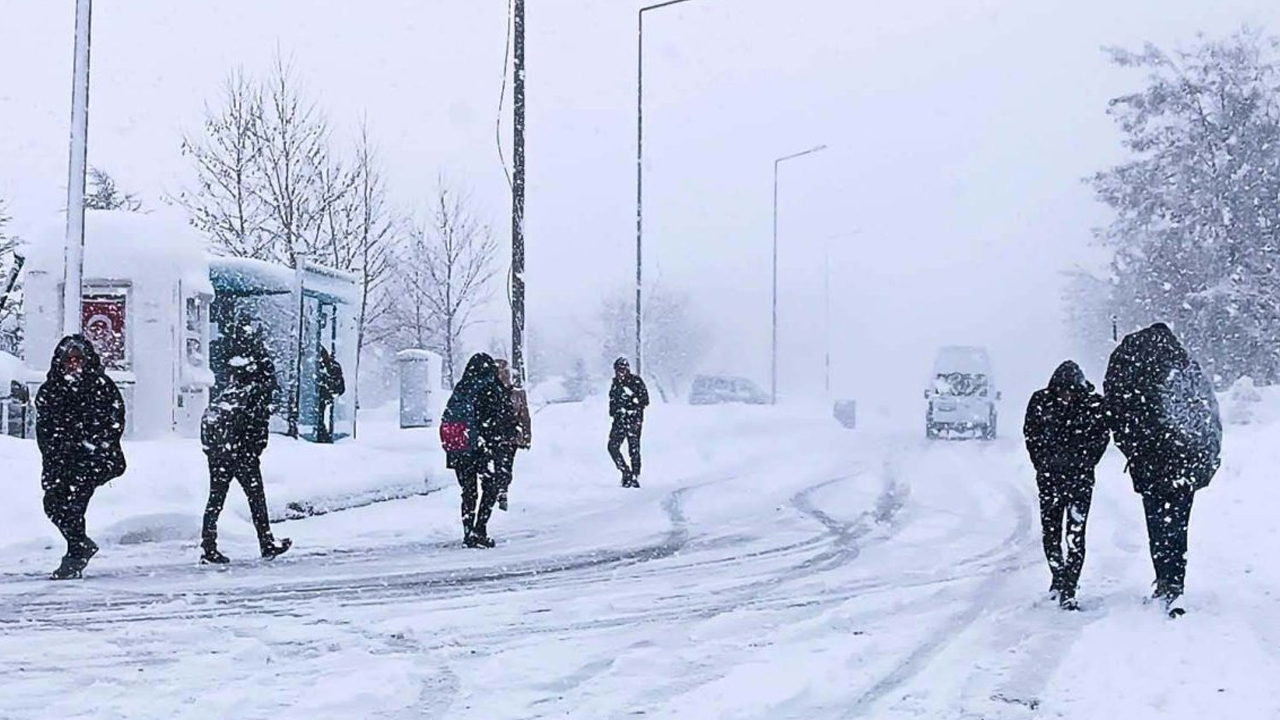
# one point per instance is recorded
(142, 606)
(995, 571)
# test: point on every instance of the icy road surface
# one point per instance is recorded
(772, 567)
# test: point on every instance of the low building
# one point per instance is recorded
(158, 307)
(145, 308)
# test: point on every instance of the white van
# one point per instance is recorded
(962, 394)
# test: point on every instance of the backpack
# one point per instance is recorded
(1163, 412)
(458, 427)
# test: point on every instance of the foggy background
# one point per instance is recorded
(950, 197)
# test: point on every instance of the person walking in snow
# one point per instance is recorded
(234, 432)
(520, 433)
(1164, 418)
(80, 418)
(1066, 434)
(628, 398)
(330, 384)
(474, 425)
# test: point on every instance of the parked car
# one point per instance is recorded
(718, 390)
(962, 394)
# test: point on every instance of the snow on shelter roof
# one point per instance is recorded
(121, 245)
(971, 360)
(415, 354)
(247, 277)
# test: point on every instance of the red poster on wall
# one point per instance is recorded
(103, 321)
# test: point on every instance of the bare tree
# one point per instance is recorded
(359, 232)
(293, 143)
(105, 195)
(225, 204)
(451, 264)
(10, 314)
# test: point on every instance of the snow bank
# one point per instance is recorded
(162, 496)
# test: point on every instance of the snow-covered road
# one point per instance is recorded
(772, 567)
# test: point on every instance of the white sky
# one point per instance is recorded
(951, 194)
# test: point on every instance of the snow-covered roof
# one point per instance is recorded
(246, 276)
(122, 245)
(416, 355)
(11, 368)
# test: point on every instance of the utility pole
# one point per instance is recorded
(517, 206)
(73, 268)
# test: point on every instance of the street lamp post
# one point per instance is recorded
(773, 368)
(73, 267)
(640, 176)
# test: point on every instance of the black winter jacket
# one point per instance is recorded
(79, 420)
(628, 398)
(1065, 427)
(1162, 412)
(480, 391)
(237, 421)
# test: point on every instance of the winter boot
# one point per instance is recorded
(626, 479)
(1160, 594)
(476, 540)
(272, 550)
(88, 550)
(1172, 603)
(1067, 600)
(211, 556)
(70, 568)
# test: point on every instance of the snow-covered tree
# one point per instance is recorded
(104, 194)
(675, 339)
(1197, 204)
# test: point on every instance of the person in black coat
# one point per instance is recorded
(234, 432)
(476, 422)
(1164, 417)
(1066, 434)
(330, 384)
(80, 418)
(628, 398)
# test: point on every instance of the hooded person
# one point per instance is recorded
(519, 432)
(1066, 435)
(234, 431)
(80, 418)
(1164, 417)
(474, 424)
(628, 398)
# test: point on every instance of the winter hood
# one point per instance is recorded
(1069, 376)
(92, 363)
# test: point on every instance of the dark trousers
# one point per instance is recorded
(66, 504)
(628, 431)
(504, 461)
(1168, 516)
(479, 493)
(1064, 511)
(246, 470)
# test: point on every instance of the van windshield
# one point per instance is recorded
(964, 384)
